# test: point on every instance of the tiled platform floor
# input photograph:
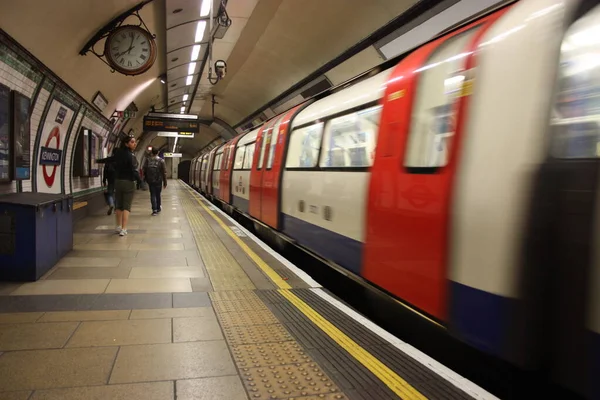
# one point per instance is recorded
(118, 318)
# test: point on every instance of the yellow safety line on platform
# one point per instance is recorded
(379, 369)
(274, 276)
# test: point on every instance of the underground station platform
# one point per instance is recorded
(190, 305)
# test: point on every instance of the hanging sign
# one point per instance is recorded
(157, 124)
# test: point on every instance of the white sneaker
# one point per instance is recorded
(118, 229)
(123, 232)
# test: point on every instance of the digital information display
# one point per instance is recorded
(156, 124)
(189, 135)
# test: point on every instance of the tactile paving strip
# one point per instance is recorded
(224, 271)
(239, 306)
(256, 334)
(268, 354)
(242, 295)
(283, 382)
(245, 318)
(349, 373)
(330, 396)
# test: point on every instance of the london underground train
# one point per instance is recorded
(462, 181)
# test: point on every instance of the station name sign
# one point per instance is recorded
(165, 124)
(50, 156)
(172, 155)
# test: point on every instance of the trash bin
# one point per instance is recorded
(36, 230)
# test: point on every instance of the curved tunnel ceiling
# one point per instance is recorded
(270, 45)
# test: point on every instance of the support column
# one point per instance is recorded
(174, 167)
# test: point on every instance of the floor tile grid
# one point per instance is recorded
(177, 315)
(263, 350)
(78, 282)
(224, 271)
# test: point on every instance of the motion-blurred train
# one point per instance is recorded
(462, 180)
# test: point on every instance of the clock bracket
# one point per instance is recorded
(106, 30)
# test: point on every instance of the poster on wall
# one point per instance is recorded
(85, 147)
(52, 143)
(21, 137)
(94, 155)
(5, 156)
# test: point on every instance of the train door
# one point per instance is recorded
(203, 173)
(226, 171)
(256, 176)
(242, 166)
(406, 251)
(271, 179)
(216, 172)
(566, 208)
(210, 168)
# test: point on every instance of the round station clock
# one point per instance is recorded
(130, 50)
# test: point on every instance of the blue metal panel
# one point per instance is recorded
(330, 245)
(480, 318)
(241, 204)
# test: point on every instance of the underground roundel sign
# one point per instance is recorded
(50, 156)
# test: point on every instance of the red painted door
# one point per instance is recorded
(406, 249)
(273, 169)
(263, 139)
(227, 169)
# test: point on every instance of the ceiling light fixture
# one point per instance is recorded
(205, 7)
(200, 31)
(182, 109)
(195, 52)
(192, 68)
(185, 97)
(189, 80)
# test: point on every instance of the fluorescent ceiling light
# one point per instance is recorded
(182, 109)
(192, 68)
(205, 8)
(200, 31)
(189, 80)
(195, 52)
(185, 97)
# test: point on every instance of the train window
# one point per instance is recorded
(274, 136)
(350, 140)
(239, 158)
(217, 166)
(440, 83)
(305, 143)
(249, 155)
(575, 122)
(265, 142)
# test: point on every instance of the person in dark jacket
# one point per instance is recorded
(108, 181)
(155, 175)
(127, 175)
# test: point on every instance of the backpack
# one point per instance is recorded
(153, 170)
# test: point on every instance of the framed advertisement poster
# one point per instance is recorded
(5, 135)
(21, 136)
(95, 153)
(81, 155)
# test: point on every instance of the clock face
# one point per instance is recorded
(130, 50)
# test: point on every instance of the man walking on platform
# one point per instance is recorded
(155, 174)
